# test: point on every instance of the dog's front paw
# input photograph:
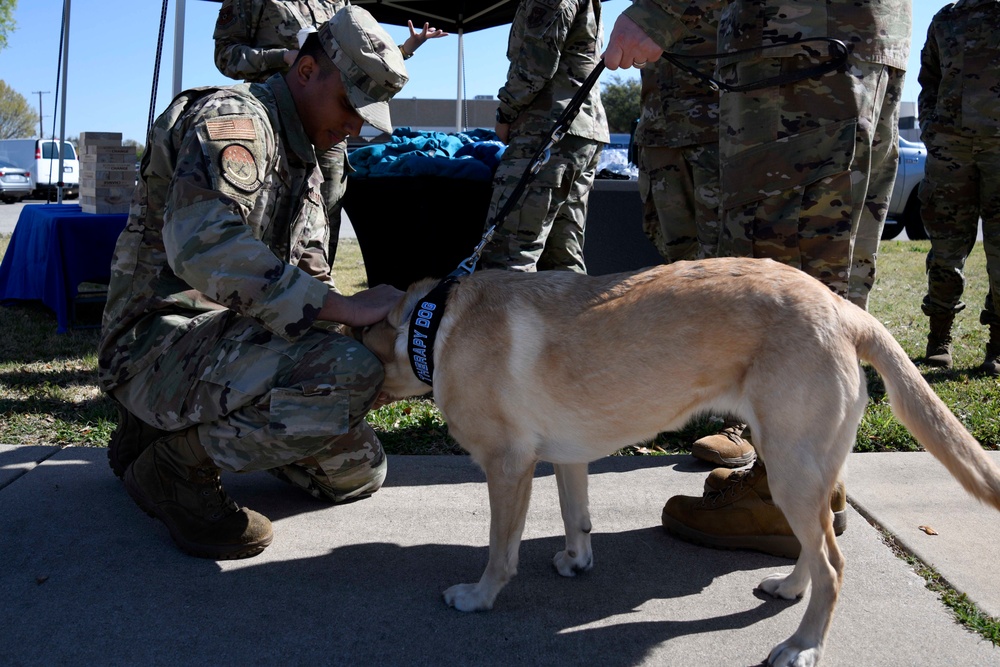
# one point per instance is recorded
(467, 597)
(787, 654)
(568, 563)
(782, 586)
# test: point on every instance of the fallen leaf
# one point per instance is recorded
(928, 530)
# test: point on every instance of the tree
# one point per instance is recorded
(139, 148)
(7, 23)
(621, 103)
(17, 118)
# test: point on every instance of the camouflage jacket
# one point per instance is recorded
(227, 215)
(251, 36)
(677, 108)
(553, 46)
(960, 71)
(876, 31)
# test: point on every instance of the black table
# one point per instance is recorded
(54, 248)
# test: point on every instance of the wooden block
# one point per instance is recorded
(92, 166)
(102, 158)
(105, 209)
(102, 183)
(100, 139)
(110, 150)
(90, 172)
(113, 195)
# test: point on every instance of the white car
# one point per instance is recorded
(15, 183)
(904, 206)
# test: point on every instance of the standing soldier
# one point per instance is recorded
(677, 143)
(257, 38)
(807, 169)
(959, 110)
(677, 146)
(554, 45)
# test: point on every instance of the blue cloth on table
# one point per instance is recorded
(471, 155)
(54, 248)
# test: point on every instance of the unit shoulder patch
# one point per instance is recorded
(239, 168)
(227, 17)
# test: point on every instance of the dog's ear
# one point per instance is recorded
(380, 338)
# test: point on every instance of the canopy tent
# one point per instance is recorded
(457, 16)
(454, 16)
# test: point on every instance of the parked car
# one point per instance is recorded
(15, 183)
(904, 206)
(40, 157)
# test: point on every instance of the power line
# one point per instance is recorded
(41, 126)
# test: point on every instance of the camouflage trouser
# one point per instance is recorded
(807, 173)
(546, 230)
(680, 196)
(259, 402)
(334, 167)
(961, 182)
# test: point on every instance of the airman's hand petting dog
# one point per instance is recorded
(567, 368)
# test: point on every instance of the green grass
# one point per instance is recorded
(49, 395)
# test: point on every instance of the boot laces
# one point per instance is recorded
(216, 500)
(736, 483)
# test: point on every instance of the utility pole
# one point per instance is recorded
(41, 124)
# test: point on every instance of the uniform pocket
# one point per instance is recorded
(788, 163)
(313, 411)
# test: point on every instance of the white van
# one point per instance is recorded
(41, 158)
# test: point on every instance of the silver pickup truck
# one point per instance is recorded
(904, 207)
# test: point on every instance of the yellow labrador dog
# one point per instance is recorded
(567, 368)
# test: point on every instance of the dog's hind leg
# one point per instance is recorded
(508, 479)
(825, 567)
(805, 500)
(578, 556)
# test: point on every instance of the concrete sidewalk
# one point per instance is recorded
(87, 578)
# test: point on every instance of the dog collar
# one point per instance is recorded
(424, 323)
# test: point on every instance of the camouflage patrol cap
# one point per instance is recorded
(370, 64)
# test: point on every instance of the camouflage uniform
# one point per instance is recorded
(960, 124)
(554, 45)
(216, 284)
(807, 168)
(251, 37)
(678, 146)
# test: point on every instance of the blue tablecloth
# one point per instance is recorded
(55, 247)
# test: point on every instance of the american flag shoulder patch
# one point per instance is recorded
(231, 128)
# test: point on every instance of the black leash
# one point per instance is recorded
(836, 50)
(426, 317)
(468, 265)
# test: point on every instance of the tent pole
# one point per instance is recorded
(62, 113)
(460, 93)
(178, 45)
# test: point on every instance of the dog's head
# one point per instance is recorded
(387, 341)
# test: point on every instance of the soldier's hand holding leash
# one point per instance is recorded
(629, 46)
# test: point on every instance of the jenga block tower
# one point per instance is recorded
(107, 173)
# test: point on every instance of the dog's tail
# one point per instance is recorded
(923, 413)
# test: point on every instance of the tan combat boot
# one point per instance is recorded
(939, 341)
(720, 478)
(741, 516)
(726, 448)
(131, 437)
(175, 481)
(991, 366)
